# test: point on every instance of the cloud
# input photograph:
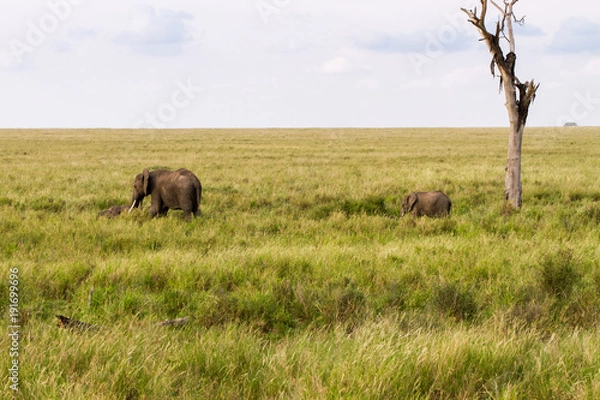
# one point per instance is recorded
(7, 60)
(388, 43)
(336, 65)
(446, 38)
(368, 84)
(291, 45)
(576, 35)
(80, 33)
(346, 65)
(156, 31)
(592, 68)
(528, 29)
(61, 46)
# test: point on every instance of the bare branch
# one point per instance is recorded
(520, 21)
(508, 14)
(491, 40)
(497, 6)
(478, 21)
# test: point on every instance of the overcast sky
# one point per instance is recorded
(286, 63)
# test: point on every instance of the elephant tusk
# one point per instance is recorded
(132, 206)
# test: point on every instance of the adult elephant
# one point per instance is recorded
(431, 204)
(177, 190)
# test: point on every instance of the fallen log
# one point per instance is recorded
(175, 322)
(70, 323)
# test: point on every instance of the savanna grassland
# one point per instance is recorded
(300, 278)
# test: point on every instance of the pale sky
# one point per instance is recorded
(286, 63)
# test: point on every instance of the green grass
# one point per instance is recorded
(300, 277)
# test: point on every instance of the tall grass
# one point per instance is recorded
(300, 277)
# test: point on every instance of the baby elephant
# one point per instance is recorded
(113, 212)
(431, 204)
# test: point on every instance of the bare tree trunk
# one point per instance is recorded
(513, 190)
(517, 104)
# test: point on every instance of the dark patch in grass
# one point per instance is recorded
(430, 227)
(8, 248)
(393, 295)
(131, 303)
(529, 308)
(370, 205)
(558, 273)
(173, 301)
(260, 204)
(323, 207)
(64, 281)
(5, 201)
(583, 195)
(547, 196)
(102, 204)
(155, 281)
(455, 301)
(508, 210)
(112, 245)
(576, 196)
(48, 204)
(283, 305)
(592, 213)
(341, 302)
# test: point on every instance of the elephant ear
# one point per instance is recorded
(412, 200)
(146, 181)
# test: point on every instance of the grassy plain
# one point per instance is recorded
(302, 280)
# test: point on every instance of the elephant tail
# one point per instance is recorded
(198, 198)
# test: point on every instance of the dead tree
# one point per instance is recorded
(519, 95)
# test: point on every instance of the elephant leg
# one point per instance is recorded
(156, 208)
